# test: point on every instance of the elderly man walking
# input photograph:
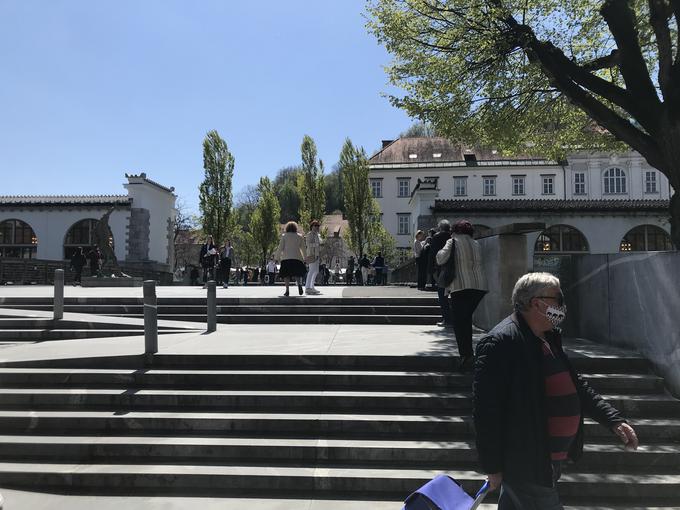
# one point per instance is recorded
(529, 403)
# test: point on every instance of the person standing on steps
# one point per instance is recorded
(313, 257)
(291, 252)
(437, 243)
(207, 259)
(461, 258)
(271, 271)
(364, 264)
(78, 261)
(350, 270)
(226, 256)
(379, 267)
(529, 403)
(421, 261)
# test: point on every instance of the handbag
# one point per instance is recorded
(444, 493)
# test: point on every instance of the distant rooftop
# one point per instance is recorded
(65, 200)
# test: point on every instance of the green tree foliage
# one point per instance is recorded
(264, 222)
(333, 191)
(361, 209)
(245, 249)
(559, 74)
(419, 129)
(215, 191)
(381, 241)
(310, 184)
(285, 186)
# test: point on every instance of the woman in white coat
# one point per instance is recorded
(291, 252)
(467, 287)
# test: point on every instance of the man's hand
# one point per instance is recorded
(627, 436)
(495, 480)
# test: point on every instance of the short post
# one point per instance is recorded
(212, 306)
(150, 318)
(58, 294)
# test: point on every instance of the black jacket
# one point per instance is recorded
(509, 403)
(437, 243)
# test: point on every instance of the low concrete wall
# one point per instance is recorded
(630, 300)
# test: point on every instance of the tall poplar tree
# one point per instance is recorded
(215, 194)
(311, 184)
(361, 209)
(264, 222)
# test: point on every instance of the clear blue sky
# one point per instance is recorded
(93, 89)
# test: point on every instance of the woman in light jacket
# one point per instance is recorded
(291, 252)
(468, 286)
(313, 242)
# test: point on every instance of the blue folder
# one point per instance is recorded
(444, 493)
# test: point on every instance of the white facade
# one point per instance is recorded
(140, 223)
(479, 176)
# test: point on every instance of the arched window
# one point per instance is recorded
(646, 238)
(614, 181)
(82, 234)
(480, 230)
(17, 240)
(561, 239)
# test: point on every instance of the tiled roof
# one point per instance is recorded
(144, 177)
(400, 152)
(550, 205)
(65, 200)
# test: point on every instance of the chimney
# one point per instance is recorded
(385, 143)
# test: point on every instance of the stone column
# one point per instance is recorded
(58, 294)
(150, 318)
(212, 306)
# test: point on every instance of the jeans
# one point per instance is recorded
(311, 274)
(444, 305)
(225, 268)
(421, 264)
(364, 276)
(463, 305)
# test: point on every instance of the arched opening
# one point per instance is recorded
(646, 238)
(17, 240)
(561, 239)
(82, 234)
(614, 181)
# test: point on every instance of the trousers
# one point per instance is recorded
(311, 274)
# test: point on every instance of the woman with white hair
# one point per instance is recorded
(466, 286)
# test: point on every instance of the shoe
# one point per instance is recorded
(225, 286)
(465, 363)
(300, 291)
(313, 292)
(286, 294)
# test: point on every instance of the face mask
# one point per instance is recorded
(555, 314)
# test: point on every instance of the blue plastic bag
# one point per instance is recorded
(444, 493)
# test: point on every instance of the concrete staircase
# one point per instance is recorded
(279, 310)
(351, 427)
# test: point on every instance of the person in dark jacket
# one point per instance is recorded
(78, 261)
(95, 258)
(437, 243)
(226, 257)
(207, 259)
(350, 270)
(379, 266)
(529, 403)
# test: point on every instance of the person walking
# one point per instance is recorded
(94, 256)
(78, 261)
(350, 270)
(464, 281)
(313, 257)
(207, 259)
(364, 264)
(529, 403)
(291, 252)
(421, 262)
(437, 243)
(226, 256)
(271, 271)
(426, 254)
(336, 273)
(379, 267)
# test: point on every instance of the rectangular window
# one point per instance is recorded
(404, 187)
(518, 184)
(460, 186)
(548, 184)
(376, 188)
(403, 224)
(650, 182)
(489, 186)
(579, 183)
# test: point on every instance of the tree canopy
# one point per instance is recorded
(552, 75)
(264, 221)
(215, 195)
(310, 184)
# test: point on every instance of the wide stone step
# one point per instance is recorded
(282, 451)
(288, 379)
(34, 335)
(13, 302)
(288, 309)
(265, 317)
(32, 323)
(310, 425)
(296, 401)
(356, 482)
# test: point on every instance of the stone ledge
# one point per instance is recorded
(93, 281)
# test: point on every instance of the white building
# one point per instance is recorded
(52, 227)
(592, 202)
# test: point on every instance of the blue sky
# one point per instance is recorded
(93, 89)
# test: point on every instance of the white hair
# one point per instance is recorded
(444, 226)
(531, 285)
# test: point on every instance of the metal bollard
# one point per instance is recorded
(150, 318)
(58, 294)
(212, 306)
